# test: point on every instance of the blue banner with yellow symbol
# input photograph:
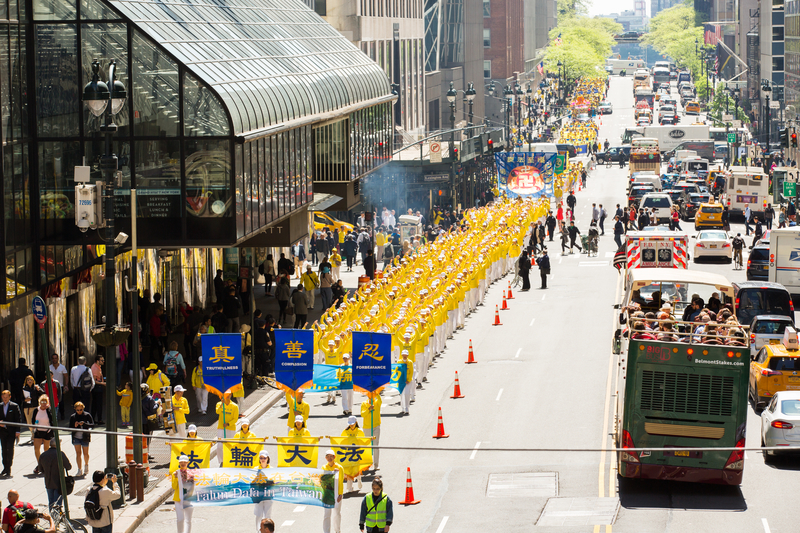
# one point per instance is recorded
(294, 357)
(372, 360)
(526, 174)
(331, 377)
(222, 362)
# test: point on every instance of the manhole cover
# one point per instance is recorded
(579, 512)
(527, 485)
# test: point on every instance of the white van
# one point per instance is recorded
(660, 203)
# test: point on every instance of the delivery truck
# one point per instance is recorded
(784, 258)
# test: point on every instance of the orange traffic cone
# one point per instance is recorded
(440, 434)
(505, 305)
(471, 358)
(409, 491)
(510, 296)
(497, 316)
(457, 389)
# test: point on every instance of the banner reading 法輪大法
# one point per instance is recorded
(526, 174)
(240, 486)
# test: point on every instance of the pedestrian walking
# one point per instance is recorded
(41, 437)
(371, 421)
(748, 217)
(200, 391)
(595, 213)
(283, 293)
(550, 221)
(544, 268)
(48, 465)
(571, 201)
(573, 235)
(16, 379)
(603, 216)
(99, 390)
(125, 401)
(352, 473)
(263, 508)
(59, 373)
(525, 270)
(564, 239)
(83, 421)
(619, 231)
(769, 214)
(174, 364)
(300, 305)
(149, 412)
(310, 282)
(100, 513)
(758, 232)
(376, 513)
(82, 382)
(325, 283)
(333, 515)
(30, 392)
(180, 408)
(9, 435)
(182, 486)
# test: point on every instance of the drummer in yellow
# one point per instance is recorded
(352, 473)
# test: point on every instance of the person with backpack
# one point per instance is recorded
(83, 421)
(14, 511)
(82, 382)
(48, 465)
(174, 365)
(156, 379)
(30, 523)
(99, 512)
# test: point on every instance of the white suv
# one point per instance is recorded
(660, 203)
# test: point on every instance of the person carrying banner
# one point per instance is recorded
(299, 429)
(376, 510)
(183, 486)
(405, 396)
(352, 472)
(371, 420)
(345, 375)
(333, 514)
(297, 407)
(228, 413)
(264, 507)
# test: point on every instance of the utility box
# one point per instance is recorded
(89, 206)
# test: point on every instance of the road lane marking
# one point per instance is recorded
(765, 524)
(544, 296)
(299, 509)
(518, 352)
(500, 393)
(441, 526)
(474, 451)
(532, 321)
(287, 523)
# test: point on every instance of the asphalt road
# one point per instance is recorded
(544, 379)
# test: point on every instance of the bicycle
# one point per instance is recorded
(62, 524)
(737, 260)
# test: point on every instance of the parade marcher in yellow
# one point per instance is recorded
(244, 432)
(264, 507)
(371, 422)
(405, 396)
(180, 408)
(228, 413)
(333, 515)
(297, 407)
(299, 428)
(352, 473)
(345, 375)
(183, 485)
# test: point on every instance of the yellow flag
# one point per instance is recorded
(292, 452)
(358, 457)
(197, 452)
(238, 455)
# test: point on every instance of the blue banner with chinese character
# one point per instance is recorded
(372, 360)
(222, 362)
(294, 357)
(526, 174)
(331, 377)
(241, 486)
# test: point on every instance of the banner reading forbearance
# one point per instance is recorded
(239, 486)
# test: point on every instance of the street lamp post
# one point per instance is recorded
(451, 98)
(509, 100)
(470, 96)
(518, 96)
(109, 99)
(560, 80)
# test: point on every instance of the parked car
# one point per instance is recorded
(605, 108)
(780, 422)
(758, 263)
(614, 153)
(767, 329)
(753, 298)
(712, 243)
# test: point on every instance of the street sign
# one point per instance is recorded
(727, 118)
(774, 104)
(731, 138)
(39, 311)
(789, 189)
(736, 123)
(436, 152)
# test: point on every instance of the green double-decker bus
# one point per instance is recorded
(689, 391)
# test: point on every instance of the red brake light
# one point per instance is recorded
(627, 442)
(748, 266)
(767, 372)
(752, 338)
(736, 302)
(791, 305)
(736, 459)
(780, 424)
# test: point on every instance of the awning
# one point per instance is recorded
(323, 201)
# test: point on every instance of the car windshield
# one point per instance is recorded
(771, 327)
(709, 209)
(790, 407)
(676, 294)
(759, 254)
(641, 191)
(791, 364)
(656, 201)
(713, 235)
(766, 301)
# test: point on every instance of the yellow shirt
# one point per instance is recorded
(409, 370)
(245, 436)
(332, 468)
(357, 432)
(297, 409)
(180, 408)
(156, 381)
(126, 397)
(371, 414)
(197, 377)
(231, 415)
(294, 432)
(380, 239)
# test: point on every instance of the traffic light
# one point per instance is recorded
(455, 153)
(490, 144)
(785, 138)
(793, 138)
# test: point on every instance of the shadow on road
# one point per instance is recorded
(653, 494)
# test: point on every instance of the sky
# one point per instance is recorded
(604, 7)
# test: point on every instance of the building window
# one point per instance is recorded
(487, 8)
(487, 38)
(777, 64)
(777, 33)
(487, 68)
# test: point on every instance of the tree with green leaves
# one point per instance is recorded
(675, 33)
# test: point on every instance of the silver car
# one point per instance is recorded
(767, 329)
(780, 422)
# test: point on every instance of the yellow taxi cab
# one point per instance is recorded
(775, 368)
(693, 108)
(322, 221)
(708, 215)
